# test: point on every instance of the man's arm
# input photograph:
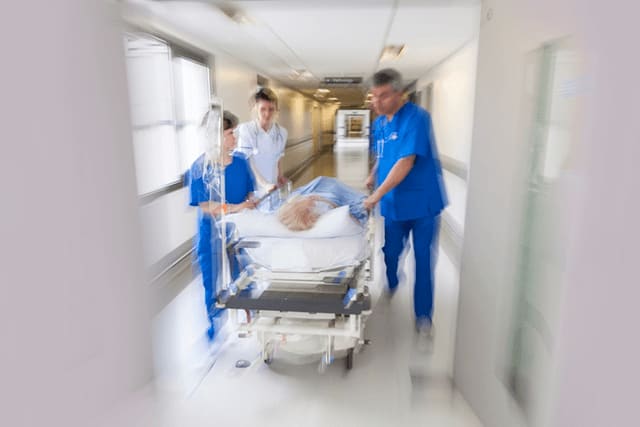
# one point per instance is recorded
(397, 173)
(371, 179)
(281, 178)
(284, 134)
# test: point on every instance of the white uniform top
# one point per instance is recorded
(263, 148)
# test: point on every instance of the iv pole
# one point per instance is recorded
(214, 165)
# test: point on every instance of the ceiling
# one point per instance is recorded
(299, 42)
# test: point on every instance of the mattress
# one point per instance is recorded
(308, 254)
(336, 240)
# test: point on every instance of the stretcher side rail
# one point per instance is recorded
(316, 292)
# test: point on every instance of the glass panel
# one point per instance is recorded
(192, 89)
(553, 75)
(152, 115)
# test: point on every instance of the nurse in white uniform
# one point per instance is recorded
(263, 142)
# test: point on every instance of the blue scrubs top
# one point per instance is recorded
(421, 193)
(239, 183)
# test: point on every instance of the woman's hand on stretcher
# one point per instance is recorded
(250, 203)
(247, 204)
(215, 209)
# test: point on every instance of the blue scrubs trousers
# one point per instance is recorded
(425, 244)
(209, 260)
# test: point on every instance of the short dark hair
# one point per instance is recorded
(229, 120)
(266, 94)
(388, 76)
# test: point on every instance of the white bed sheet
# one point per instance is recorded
(309, 254)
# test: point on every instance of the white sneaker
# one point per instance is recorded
(424, 337)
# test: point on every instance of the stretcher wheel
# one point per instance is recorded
(324, 363)
(267, 353)
(322, 367)
(349, 360)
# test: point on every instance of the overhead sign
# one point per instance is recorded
(342, 80)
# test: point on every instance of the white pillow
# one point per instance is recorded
(338, 222)
(335, 223)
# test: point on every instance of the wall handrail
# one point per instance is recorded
(146, 198)
(454, 166)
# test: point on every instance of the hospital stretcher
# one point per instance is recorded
(329, 303)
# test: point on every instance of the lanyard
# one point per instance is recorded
(386, 138)
(277, 129)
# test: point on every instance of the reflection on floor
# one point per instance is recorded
(350, 166)
(391, 383)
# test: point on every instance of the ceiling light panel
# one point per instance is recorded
(350, 36)
(392, 52)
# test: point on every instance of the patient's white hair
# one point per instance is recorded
(298, 213)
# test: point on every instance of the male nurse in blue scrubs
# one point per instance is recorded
(409, 188)
(239, 188)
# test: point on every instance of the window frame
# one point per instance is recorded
(177, 49)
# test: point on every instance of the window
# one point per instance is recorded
(191, 81)
(168, 95)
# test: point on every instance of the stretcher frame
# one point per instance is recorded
(333, 303)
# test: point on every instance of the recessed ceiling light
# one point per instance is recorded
(391, 52)
(323, 90)
(235, 14)
(301, 74)
(242, 19)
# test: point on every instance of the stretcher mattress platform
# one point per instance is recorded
(319, 301)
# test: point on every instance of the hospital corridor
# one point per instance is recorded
(296, 213)
(391, 383)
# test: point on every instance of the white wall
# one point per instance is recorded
(328, 122)
(510, 31)
(235, 83)
(295, 113)
(597, 375)
(167, 222)
(296, 116)
(454, 84)
(453, 94)
(74, 310)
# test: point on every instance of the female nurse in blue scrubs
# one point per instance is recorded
(239, 188)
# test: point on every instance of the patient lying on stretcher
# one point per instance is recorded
(305, 206)
(332, 231)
